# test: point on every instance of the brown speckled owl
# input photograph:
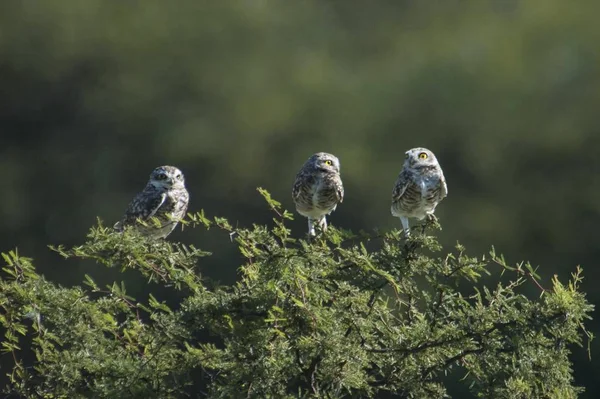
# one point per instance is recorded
(164, 197)
(318, 189)
(419, 188)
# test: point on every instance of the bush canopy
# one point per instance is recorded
(340, 315)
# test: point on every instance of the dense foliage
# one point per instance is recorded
(343, 315)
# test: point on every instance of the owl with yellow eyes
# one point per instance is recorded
(318, 189)
(419, 188)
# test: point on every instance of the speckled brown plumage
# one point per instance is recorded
(420, 187)
(318, 189)
(164, 197)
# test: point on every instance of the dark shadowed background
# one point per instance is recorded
(95, 94)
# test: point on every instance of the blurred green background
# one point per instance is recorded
(239, 93)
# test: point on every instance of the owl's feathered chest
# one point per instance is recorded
(425, 184)
(417, 192)
(175, 204)
(317, 194)
(325, 184)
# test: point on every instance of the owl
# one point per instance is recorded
(318, 189)
(419, 188)
(164, 197)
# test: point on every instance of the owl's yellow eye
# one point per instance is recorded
(422, 155)
(328, 163)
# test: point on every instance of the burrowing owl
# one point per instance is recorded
(419, 188)
(318, 189)
(164, 198)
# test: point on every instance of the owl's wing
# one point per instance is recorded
(444, 187)
(401, 185)
(144, 206)
(297, 188)
(155, 204)
(304, 182)
(340, 191)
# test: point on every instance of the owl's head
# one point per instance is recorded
(325, 162)
(167, 177)
(419, 158)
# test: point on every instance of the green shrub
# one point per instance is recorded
(346, 315)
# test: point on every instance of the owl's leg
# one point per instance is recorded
(404, 221)
(323, 223)
(311, 228)
(318, 224)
